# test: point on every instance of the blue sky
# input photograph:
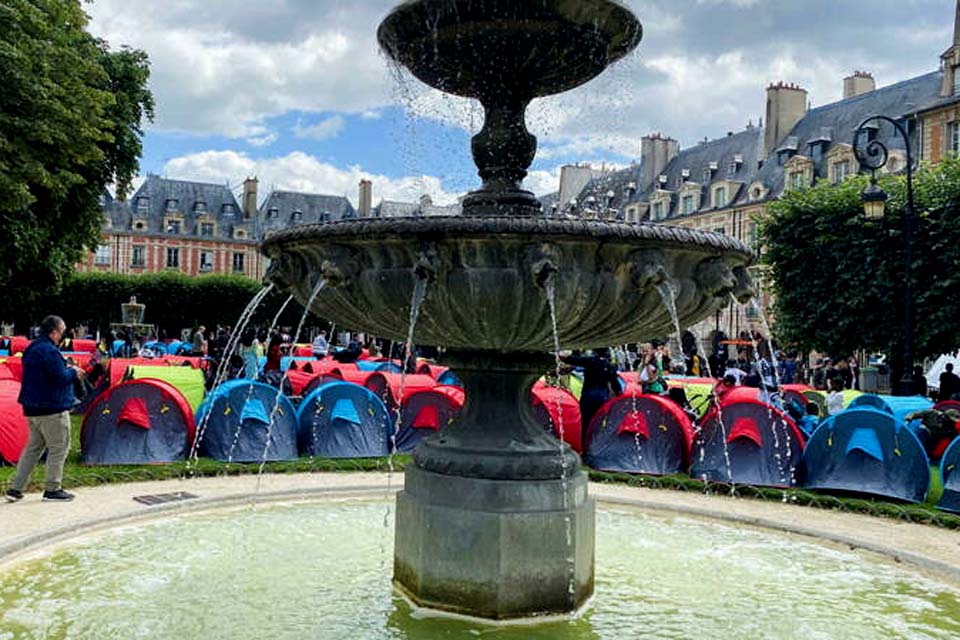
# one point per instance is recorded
(296, 92)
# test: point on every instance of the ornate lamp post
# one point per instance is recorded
(873, 154)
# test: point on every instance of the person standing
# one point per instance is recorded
(200, 342)
(320, 346)
(600, 381)
(949, 383)
(47, 396)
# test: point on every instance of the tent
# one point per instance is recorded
(867, 450)
(14, 431)
(553, 406)
(950, 475)
(450, 378)
(426, 411)
(939, 366)
(82, 345)
(820, 397)
(234, 420)
(386, 366)
(137, 422)
(430, 369)
(746, 441)
(187, 380)
(18, 344)
(899, 406)
(640, 433)
(387, 387)
(15, 366)
(343, 420)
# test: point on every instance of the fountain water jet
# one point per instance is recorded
(482, 523)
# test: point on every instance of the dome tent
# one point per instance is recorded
(137, 422)
(343, 420)
(553, 406)
(950, 475)
(14, 430)
(639, 433)
(746, 441)
(424, 412)
(867, 450)
(241, 414)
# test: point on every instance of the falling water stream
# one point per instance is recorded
(242, 322)
(550, 292)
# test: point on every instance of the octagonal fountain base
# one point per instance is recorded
(494, 549)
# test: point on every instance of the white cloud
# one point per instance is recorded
(299, 171)
(263, 141)
(323, 130)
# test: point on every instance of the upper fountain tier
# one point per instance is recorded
(492, 49)
(505, 53)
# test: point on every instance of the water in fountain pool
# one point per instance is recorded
(222, 369)
(311, 571)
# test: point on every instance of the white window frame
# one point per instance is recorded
(954, 140)
(207, 260)
(213, 229)
(719, 197)
(141, 251)
(242, 262)
(689, 203)
(102, 256)
(657, 211)
(841, 169)
(173, 252)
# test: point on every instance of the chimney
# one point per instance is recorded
(786, 105)
(366, 199)
(859, 83)
(250, 198)
(656, 152)
(573, 180)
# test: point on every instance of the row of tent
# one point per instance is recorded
(149, 414)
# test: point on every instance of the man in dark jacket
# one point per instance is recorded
(47, 396)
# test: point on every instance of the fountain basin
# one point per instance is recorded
(317, 570)
(487, 277)
(485, 48)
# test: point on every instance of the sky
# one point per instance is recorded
(297, 93)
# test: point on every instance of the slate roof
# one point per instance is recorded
(613, 190)
(158, 198)
(424, 208)
(834, 124)
(281, 208)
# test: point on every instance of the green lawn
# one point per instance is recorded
(77, 475)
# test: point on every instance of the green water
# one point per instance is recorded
(321, 570)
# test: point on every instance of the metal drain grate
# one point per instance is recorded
(163, 498)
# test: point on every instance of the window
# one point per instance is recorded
(206, 229)
(102, 256)
(173, 226)
(657, 211)
(173, 257)
(143, 204)
(720, 197)
(273, 213)
(796, 180)
(139, 225)
(633, 214)
(757, 193)
(238, 259)
(172, 205)
(707, 176)
(955, 137)
(956, 80)
(240, 234)
(732, 168)
(325, 217)
(296, 216)
(720, 230)
(688, 204)
(840, 171)
(206, 261)
(228, 210)
(753, 237)
(138, 258)
(200, 207)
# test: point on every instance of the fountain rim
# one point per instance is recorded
(532, 229)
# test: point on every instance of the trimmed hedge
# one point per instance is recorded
(174, 301)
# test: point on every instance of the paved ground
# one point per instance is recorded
(31, 524)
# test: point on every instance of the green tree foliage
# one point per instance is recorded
(840, 279)
(174, 301)
(70, 123)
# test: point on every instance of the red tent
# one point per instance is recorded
(426, 411)
(555, 406)
(15, 367)
(432, 370)
(18, 344)
(14, 431)
(387, 386)
(85, 346)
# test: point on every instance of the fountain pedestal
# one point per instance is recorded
(494, 520)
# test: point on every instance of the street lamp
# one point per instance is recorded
(872, 154)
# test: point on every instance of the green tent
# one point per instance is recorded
(186, 380)
(820, 397)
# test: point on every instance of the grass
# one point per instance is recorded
(78, 475)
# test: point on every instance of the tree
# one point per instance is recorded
(70, 124)
(839, 278)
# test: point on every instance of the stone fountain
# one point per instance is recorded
(494, 520)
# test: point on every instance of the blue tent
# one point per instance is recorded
(343, 420)
(137, 422)
(175, 347)
(241, 414)
(747, 442)
(382, 367)
(950, 474)
(899, 406)
(867, 450)
(450, 378)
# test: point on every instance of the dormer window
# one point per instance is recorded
(719, 197)
(143, 204)
(240, 234)
(172, 205)
(707, 176)
(139, 225)
(688, 204)
(273, 213)
(200, 207)
(956, 80)
(657, 211)
(840, 171)
(228, 210)
(296, 216)
(207, 229)
(325, 217)
(173, 226)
